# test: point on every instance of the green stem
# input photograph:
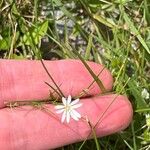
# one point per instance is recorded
(52, 78)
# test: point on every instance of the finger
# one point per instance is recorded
(25, 128)
(24, 80)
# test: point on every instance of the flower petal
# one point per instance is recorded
(74, 116)
(60, 111)
(64, 101)
(63, 117)
(59, 106)
(67, 117)
(69, 99)
(76, 106)
(76, 113)
(74, 102)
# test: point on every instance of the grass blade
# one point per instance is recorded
(89, 47)
(97, 80)
(135, 32)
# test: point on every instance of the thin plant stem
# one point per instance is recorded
(52, 78)
(53, 88)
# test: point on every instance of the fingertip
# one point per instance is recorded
(110, 114)
(44, 126)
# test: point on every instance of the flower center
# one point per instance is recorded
(68, 107)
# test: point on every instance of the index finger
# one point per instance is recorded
(24, 79)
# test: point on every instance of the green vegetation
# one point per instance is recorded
(113, 32)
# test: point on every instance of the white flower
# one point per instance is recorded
(68, 109)
(145, 94)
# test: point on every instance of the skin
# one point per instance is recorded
(28, 128)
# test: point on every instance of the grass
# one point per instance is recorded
(115, 33)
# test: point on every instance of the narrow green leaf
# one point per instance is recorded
(133, 134)
(98, 81)
(142, 110)
(135, 32)
(88, 48)
(95, 139)
(147, 11)
(103, 21)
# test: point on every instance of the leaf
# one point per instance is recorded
(89, 47)
(95, 77)
(20, 56)
(4, 44)
(5, 41)
(137, 94)
(35, 34)
(104, 21)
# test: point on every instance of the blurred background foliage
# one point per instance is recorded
(113, 32)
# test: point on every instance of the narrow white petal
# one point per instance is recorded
(69, 99)
(76, 106)
(74, 102)
(76, 113)
(59, 106)
(60, 111)
(67, 117)
(63, 117)
(74, 116)
(64, 101)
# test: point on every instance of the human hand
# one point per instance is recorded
(34, 129)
